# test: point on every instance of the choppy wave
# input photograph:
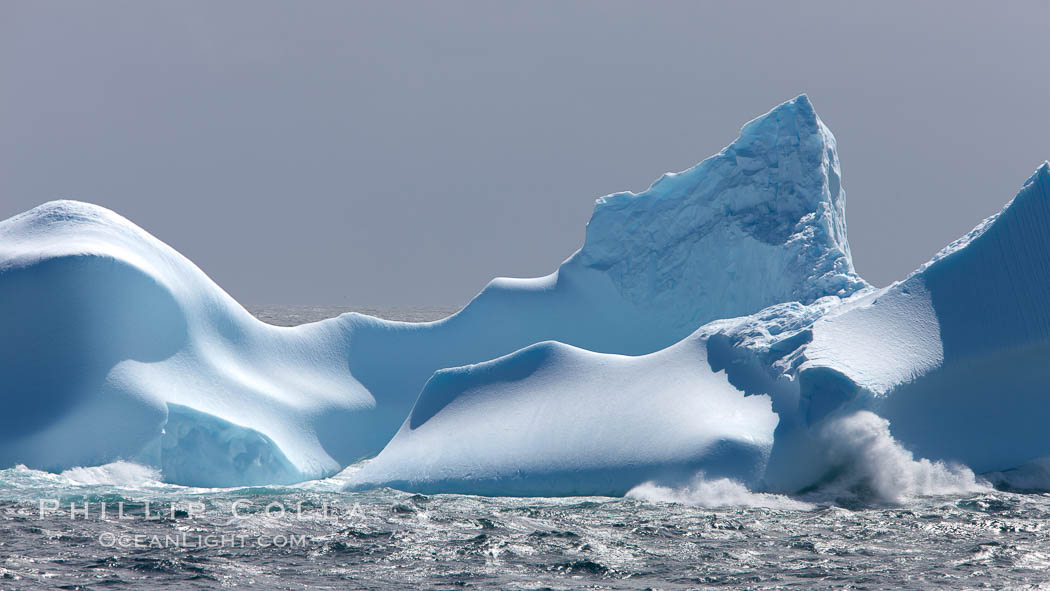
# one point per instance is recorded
(712, 533)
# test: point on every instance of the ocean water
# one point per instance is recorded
(295, 315)
(312, 536)
(54, 534)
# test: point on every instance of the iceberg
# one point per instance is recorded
(953, 355)
(115, 347)
(920, 368)
(120, 348)
(711, 325)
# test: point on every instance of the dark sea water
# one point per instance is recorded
(313, 536)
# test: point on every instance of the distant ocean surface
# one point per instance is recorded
(295, 315)
(314, 536)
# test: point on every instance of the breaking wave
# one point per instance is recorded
(714, 494)
(117, 474)
(864, 464)
(866, 461)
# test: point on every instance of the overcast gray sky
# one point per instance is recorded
(405, 153)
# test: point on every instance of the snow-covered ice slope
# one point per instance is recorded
(557, 420)
(117, 347)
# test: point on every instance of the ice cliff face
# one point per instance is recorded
(760, 223)
(713, 323)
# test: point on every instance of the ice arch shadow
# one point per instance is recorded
(68, 320)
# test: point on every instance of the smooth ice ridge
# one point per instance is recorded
(710, 330)
(555, 419)
(115, 347)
